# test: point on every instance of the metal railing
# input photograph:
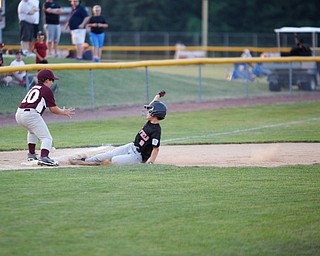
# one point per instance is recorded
(190, 39)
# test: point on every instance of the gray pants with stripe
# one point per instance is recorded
(126, 154)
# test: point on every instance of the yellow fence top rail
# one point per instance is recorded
(150, 63)
(171, 48)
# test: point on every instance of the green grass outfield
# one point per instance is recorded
(162, 209)
(291, 122)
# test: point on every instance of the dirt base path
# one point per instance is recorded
(232, 155)
(266, 155)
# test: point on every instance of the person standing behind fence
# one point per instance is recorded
(52, 11)
(78, 35)
(36, 16)
(97, 24)
(19, 77)
(40, 49)
(27, 17)
(179, 47)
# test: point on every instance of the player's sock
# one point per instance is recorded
(44, 152)
(32, 148)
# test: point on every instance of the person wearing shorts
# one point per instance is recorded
(27, 14)
(52, 11)
(78, 34)
(97, 25)
(36, 16)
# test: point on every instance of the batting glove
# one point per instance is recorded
(162, 93)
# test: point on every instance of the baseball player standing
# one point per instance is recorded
(144, 148)
(29, 116)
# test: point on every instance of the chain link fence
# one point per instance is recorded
(108, 85)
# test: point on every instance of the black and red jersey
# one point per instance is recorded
(148, 138)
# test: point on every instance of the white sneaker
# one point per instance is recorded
(25, 53)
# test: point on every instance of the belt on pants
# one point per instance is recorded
(29, 109)
(137, 149)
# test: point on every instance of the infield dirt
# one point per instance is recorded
(231, 155)
(264, 155)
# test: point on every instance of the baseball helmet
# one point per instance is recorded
(157, 109)
(45, 74)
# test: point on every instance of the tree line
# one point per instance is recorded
(257, 16)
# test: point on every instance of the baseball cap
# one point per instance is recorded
(45, 74)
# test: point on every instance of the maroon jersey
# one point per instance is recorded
(39, 97)
(41, 50)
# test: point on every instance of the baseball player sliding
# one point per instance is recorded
(29, 116)
(144, 148)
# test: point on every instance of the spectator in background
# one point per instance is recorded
(179, 47)
(87, 53)
(40, 49)
(78, 35)
(71, 54)
(36, 16)
(242, 70)
(1, 54)
(97, 24)
(300, 50)
(5, 79)
(259, 70)
(52, 11)
(27, 18)
(246, 54)
(19, 77)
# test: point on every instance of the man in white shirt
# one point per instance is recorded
(36, 15)
(28, 14)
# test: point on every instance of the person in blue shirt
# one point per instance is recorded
(78, 34)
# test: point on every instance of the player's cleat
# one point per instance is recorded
(82, 161)
(32, 157)
(78, 159)
(47, 161)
